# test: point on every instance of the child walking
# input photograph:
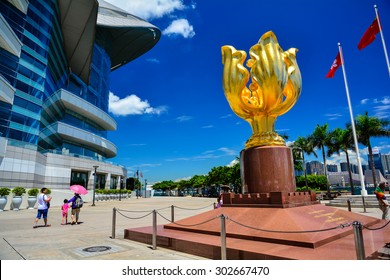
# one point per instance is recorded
(64, 209)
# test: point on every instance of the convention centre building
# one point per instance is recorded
(56, 57)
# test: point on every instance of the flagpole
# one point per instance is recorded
(363, 191)
(383, 39)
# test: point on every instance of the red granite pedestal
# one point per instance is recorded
(270, 220)
(267, 169)
(313, 232)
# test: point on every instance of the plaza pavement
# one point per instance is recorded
(77, 242)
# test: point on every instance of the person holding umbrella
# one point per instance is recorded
(77, 202)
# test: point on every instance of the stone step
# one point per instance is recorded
(356, 201)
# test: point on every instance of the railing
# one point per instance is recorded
(357, 227)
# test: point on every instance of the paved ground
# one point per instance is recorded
(82, 242)
(68, 242)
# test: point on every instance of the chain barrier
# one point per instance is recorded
(377, 228)
(192, 225)
(292, 231)
(204, 207)
(119, 211)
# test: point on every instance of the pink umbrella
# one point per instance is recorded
(78, 189)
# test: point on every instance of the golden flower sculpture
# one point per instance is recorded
(274, 89)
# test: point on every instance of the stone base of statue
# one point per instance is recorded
(268, 180)
(267, 169)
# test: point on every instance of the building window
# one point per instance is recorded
(79, 178)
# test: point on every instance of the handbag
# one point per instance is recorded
(47, 203)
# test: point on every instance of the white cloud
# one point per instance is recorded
(337, 159)
(382, 111)
(385, 100)
(131, 105)
(152, 9)
(184, 118)
(180, 27)
(364, 101)
(233, 163)
(334, 116)
(211, 154)
(153, 60)
(149, 9)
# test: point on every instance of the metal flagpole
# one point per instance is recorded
(363, 191)
(383, 39)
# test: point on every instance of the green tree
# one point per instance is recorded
(314, 182)
(235, 176)
(367, 127)
(300, 147)
(342, 140)
(198, 181)
(320, 139)
(219, 176)
(166, 186)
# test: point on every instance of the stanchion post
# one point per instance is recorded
(215, 205)
(349, 205)
(154, 237)
(223, 238)
(359, 243)
(172, 213)
(113, 222)
(364, 204)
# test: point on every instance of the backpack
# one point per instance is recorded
(79, 202)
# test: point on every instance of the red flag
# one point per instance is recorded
(336, 64)
(370, 35)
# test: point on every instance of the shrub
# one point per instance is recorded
(4, 191)
(18, 191)
(33, 192)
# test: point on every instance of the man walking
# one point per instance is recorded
(382, 201)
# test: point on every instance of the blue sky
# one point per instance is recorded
(173, 118)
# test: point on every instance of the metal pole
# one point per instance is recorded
(363, 191)
(120, 190)
(359, 243)
(364, 203)
(215, 205)
(223, 238)
(383, 39)
(154, 237)
(172, 213)
(94, 185)
(349, 205)
(145, 188)
(113, 222)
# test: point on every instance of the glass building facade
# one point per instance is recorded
(55, 65)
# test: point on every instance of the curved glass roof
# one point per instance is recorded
(127, 36)
(124, 36)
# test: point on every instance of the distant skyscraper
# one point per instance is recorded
(354, 168)
(386, 164)
(378, 162)
(55, 62)
(315, 168)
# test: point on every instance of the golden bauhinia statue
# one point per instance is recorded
(274, 89)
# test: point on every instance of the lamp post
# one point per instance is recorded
(94, 184)
(145, 188)
(120, 189)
